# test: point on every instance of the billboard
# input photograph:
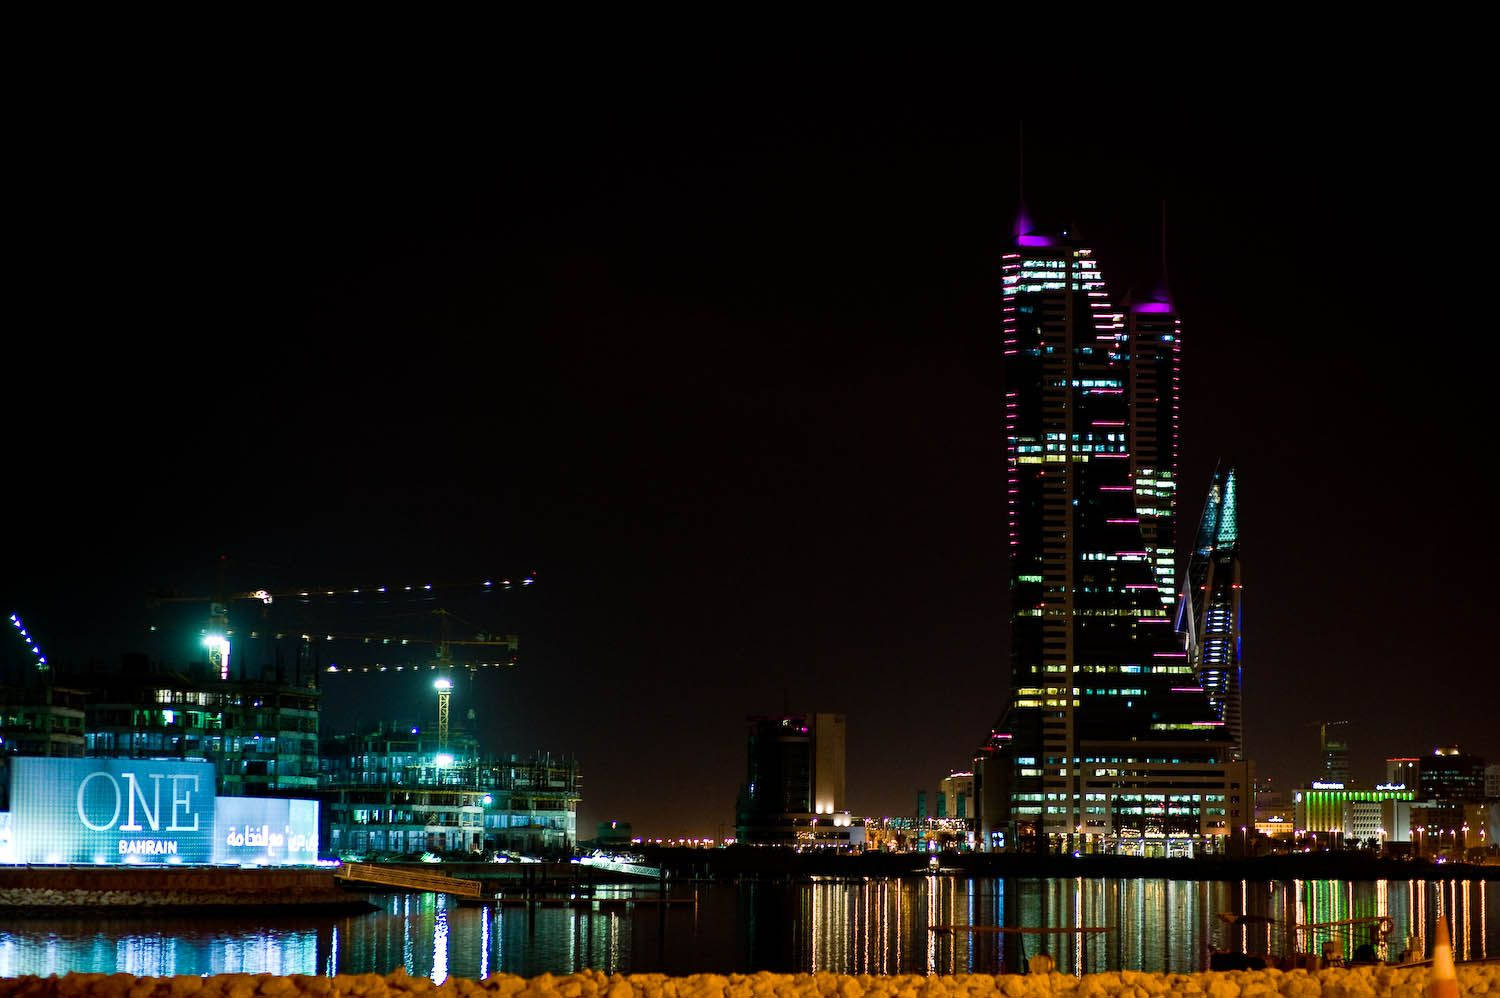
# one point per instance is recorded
(265, 831)
(111, 811)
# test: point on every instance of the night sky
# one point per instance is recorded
(723, 368)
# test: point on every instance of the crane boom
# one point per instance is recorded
(216, 636)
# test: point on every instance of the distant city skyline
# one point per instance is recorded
(724, 369)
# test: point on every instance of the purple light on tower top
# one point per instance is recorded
(1152, 306)
(1030, 239)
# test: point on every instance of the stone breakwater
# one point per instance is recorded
(1357, 982)
(42, 890)
(48, 899)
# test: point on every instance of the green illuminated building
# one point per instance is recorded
(1331, 809)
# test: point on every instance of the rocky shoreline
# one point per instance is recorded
(1355, 982)
(49, 892)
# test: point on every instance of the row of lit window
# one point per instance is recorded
(1062, 612)
(1157, 669)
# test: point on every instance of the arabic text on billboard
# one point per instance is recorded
(261, 830)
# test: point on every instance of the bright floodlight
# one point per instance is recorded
(443, 684)
(444, 760)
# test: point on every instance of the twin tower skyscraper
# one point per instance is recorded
(1123, 732)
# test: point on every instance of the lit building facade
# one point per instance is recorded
(42, 721)
(1209, 612)
(1344, 814)
(1333, 752)
(1403, 770)
(956, 796)
(1457, 829)
(794, 784)
(912, 834)
(1450, 775)
(48, 721)
(262, 737)
(1105, 706)
(391, 791)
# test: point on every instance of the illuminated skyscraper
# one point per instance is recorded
(1108, 733)
(1209, 614)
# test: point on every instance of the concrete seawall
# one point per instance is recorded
(44, 890)
(1359, 982)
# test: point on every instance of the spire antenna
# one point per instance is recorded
(1021, 161)
(1164, 241)
(1023, 224)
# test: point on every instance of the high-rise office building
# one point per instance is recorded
(1403, 771)
(1209, 614)
(1109, 740)
(1451, 775)
(794, 784)
(1333, 751)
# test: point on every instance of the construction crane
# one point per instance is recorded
(442, 660)
(32, 645)
(217, 635)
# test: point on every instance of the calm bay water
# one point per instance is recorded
(881, 925)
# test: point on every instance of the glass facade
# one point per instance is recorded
(1210, 615)
(1108, 734)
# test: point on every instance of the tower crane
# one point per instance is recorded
(441, 662)
(217, 635)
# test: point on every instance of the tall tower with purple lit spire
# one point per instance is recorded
(1107, 731)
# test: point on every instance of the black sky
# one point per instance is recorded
(721, 365)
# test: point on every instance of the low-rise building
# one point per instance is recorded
(956, 796)
(1338, 815)
(391, 790)
(38, 721)
(1145, 807)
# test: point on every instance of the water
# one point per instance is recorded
(874, 926)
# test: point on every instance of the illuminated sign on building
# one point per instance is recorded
(111, 811)
(264, 830)
(140, 811)
(1327, 786)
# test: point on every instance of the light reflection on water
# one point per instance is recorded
(863, 926)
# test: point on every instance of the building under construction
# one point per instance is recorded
(397, 789)
(252, 708)
(260, 735)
